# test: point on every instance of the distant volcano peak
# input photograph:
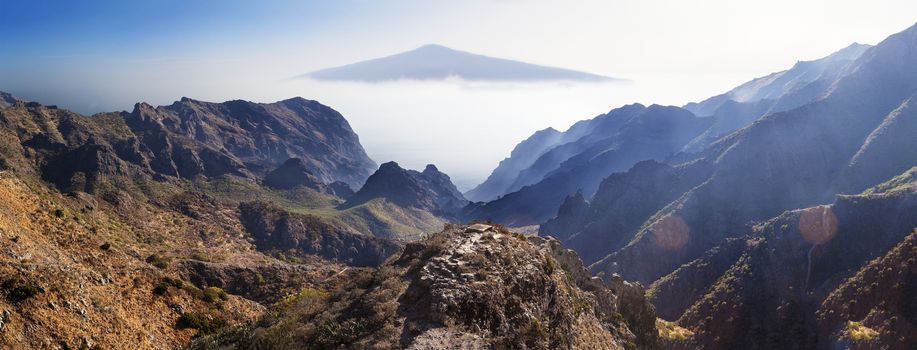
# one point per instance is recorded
(438, 62)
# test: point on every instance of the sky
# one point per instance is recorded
(92, 56)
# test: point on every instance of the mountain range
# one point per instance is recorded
(781, 214)
(437, 62)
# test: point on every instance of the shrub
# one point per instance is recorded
(163, 286)
(58, 212)
(158, 260)
(214, 295)
(857, 332)
(17, 290)
(672, 331)
(204, 322)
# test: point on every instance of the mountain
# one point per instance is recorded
(621, 205)
(187, 140)
(779, 85)
(786, 160)
(436, 62)
(203, 214)
(623, 137)
(471, 287)
(259, 136)
(805, 82)
(807, 278)
(544, 151)
(523, 155)
(430, 190)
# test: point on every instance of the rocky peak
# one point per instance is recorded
(482, 288)
(7, 99)
(430, 190)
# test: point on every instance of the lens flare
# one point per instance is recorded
(817, 225)
(670, 232)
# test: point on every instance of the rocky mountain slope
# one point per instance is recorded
(472, 287)
(635, 133)
(259, 136)
(91, 271)
(543, 153)
(805, 82)
(794, 280)
(787, 160)
(430, 190)
(112, 242)
(499, 182)
(184, 140)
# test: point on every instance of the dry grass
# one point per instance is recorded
(856, 331)
(672, 331)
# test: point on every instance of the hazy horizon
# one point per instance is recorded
(104, 56)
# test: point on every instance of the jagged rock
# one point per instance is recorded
(485, 290)
(479, 228)
(430, 190)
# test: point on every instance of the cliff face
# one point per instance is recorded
(476, 287)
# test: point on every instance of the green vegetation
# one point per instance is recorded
(906, 180)
(162, 287)
(331, 334)
(214, 295)
(856, 331)
(206, 323)
(672, 331)
(158, 260)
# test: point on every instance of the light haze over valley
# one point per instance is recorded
(253, 51)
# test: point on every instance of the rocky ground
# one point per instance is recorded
(469, 287)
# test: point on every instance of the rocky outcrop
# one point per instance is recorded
(430, 190)
(477, 289)
(7, 99)
(277, 230)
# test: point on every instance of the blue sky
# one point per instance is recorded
(94, 55)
